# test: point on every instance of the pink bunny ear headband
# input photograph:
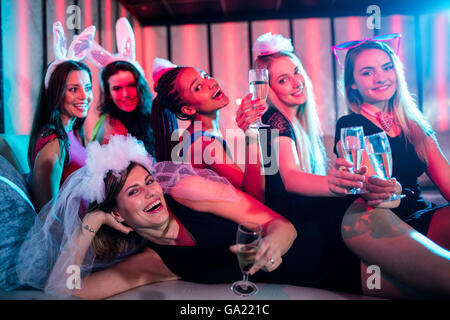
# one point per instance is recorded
(126, 47)
(77, 49)
(161, 66)
(269, 43)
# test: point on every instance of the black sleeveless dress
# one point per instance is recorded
(407, 168)
(310, 261)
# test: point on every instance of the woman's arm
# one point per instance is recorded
(253, 181)
(47, 173)
(279, 233)
(297, 181)
(438, 168)
(123, 276)
(140, 269)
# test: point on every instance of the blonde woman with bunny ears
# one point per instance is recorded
(127, 101)
(56, 147)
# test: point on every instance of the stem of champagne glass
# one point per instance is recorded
(245, 280)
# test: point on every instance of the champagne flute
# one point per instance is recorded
(259, 87)
(248, 237)
(380, 155)
(352, 141)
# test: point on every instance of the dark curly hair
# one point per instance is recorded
(138, 121)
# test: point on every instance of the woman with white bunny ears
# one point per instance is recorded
(127, 100)
(56, 147)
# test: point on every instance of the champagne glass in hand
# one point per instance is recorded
(352, 141)
(379, 152)
(259, 87)
(248, 237)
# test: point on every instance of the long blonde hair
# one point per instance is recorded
(407, 115)
(306, 124)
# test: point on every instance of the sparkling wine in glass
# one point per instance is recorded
(380, 155)
(259, 87)
(352, 141)
(248, 237)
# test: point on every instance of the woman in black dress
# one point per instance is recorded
(378, 97)
(300, 190)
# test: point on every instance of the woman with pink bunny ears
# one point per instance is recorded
(56, 147)
(127, 100)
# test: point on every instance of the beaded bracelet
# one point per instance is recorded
(85, 226)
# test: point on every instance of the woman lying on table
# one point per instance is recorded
(154, 222)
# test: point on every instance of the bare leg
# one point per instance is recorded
(380, 238)
(385, 286)
(439, 230)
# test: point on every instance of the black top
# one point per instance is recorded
(309, 262)
(276, 195)
(407, 168)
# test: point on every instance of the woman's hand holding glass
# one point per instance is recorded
(379, 151)
(341, 178)
(254, 253)
(268, 256)
(249, 111)
(259, 88)
(380, 190)
(352, 142)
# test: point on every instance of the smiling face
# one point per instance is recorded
(77, 97)
(374, 76)
(123, 90)
(141, 202)
(199, 91)
(287, 82)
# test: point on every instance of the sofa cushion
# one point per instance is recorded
(16, 218)
(14, 148)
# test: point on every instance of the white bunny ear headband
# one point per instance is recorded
(269, 43)
(77, 49)
(126, 47)
(161, 66)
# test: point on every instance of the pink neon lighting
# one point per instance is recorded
(190, 43)
(138, 40)
(230, 51)
(60, 11)
(397, 27)
(87, 13)
(354, 29)
(314, 44)
(441, 49)
(149, 48)
(108, 41)
(23, 116)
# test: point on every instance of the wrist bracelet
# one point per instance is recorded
(85, 226)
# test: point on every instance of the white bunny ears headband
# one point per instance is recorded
(77, 49)
(269, 43)
(126, 46)
(160, 66)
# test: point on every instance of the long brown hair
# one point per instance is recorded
(49, 105)
(108, 243)
(137, 122)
